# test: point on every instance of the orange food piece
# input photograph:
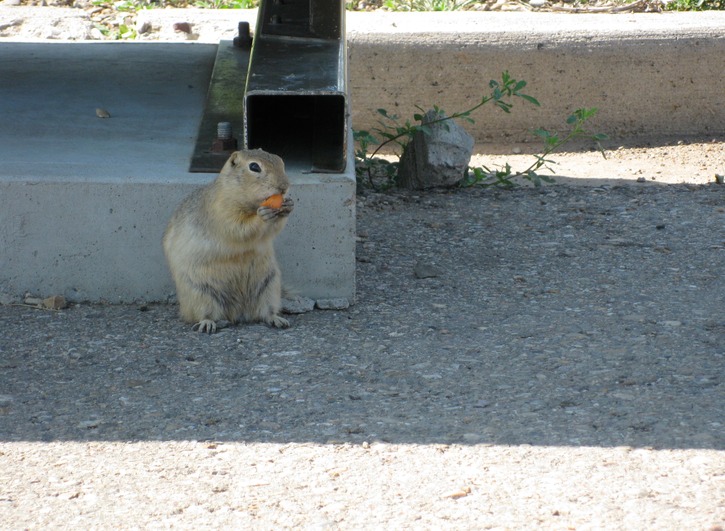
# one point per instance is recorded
(273, 201)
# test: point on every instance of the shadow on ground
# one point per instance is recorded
(572, 317)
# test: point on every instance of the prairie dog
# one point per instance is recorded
(219, 244)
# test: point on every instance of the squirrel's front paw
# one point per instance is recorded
(269, 213)
(287, 207)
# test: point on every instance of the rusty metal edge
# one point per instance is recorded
(224, 103)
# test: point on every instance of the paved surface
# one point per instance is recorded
(514, 360)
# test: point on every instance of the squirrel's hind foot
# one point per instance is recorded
(205, 326)
(278, 322)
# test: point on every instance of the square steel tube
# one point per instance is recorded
(295, 101)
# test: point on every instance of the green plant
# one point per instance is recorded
(123, 32)
(427, 5)
(226, 4)
(397, 134)
(138, 5)
(552, 141)
(695, 5)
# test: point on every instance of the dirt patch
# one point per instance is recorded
(657, 162)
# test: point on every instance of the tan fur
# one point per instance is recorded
(219, 244)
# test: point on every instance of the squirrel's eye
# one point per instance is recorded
(253, 166)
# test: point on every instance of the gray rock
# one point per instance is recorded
(298, 305)
(33, 301)
(424, 270)
(332, 304)
(439, 158)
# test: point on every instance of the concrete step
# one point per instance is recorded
(84, 201)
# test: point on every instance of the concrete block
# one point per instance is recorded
(84, 201)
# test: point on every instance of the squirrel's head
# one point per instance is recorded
(258, 173)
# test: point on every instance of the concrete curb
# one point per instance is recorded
(648, 74)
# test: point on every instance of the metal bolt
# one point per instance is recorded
(244, 39)
(224, 141)
(224, 130)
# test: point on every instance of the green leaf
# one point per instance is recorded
(552, 140)
(586, 114)
(530, 99)
(519, 85)
(505, 107)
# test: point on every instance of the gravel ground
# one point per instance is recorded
(548, 359)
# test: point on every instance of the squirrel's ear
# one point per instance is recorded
(234, 159)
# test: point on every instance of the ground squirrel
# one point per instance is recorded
(219, 244)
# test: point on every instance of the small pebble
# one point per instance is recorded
(461, 493)
(182, 27)
(56, 302)
(332, 304)
(33, 301)
(298, 305)
(423, 270)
